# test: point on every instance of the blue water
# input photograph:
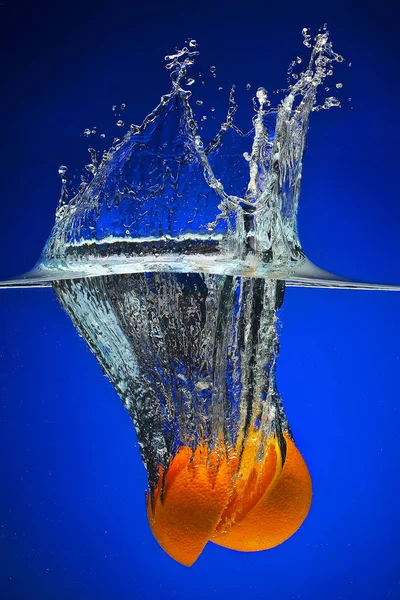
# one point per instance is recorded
(72, 508)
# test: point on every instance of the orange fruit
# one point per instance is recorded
(237, 500)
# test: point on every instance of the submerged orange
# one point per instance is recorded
(238, 501)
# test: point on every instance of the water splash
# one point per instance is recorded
(251, 231)
(162, 200)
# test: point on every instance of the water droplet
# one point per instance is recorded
(339, 85)
(332, 101)
(190, 81)
(134, 128)
(339, 58)
(307, 37)
(295, 76)
(91, 168)
(298, 60)
(120, 123)
(212, 108)
(349, 99)
(204, 118)
(248, 86)
(246, 156)
(93, 155)
(220, 89)
(192, 43)
(213, 69)
(327, 89)
(114, 107)
(87, 132)
(262, 96)
(115, 140)
(62, 169)
(94, 131)
(102, 135)
(199, 102)
(349, 64)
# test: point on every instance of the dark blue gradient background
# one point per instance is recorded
(72, 511)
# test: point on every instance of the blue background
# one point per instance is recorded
(72, 511)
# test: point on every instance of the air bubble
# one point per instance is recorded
(120, 123)
(199, 102)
